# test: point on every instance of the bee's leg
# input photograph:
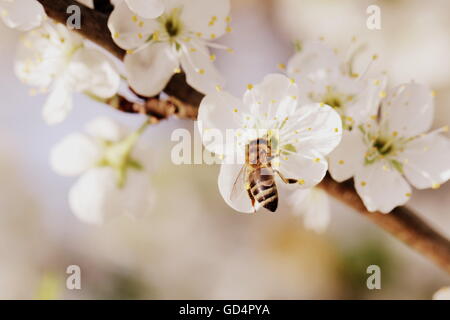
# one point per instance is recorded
(286, 180)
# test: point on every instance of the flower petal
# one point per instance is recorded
(315, 61)
(314, 205)
(313, 127)
(128, 30)
(22, 14)
(348, 156)
(148, 9)
(308, 168)
(219, 111)
(409, 109)
(275, 97)
(210, 18)
(150, 69)
(75, 154)
(105, 129)
(92, 72)
(426, 161)
(229, 179)
(200, 71)
(381, 187)
(40, 56)
(95, 198)
(59, 103)
(442, 294)
(366, 99)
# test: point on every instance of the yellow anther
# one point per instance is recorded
(140, 36)
(212, 57)
(395, 133)
(201, 71)
(213, 36)
(363, 183)
(134, 18)
(235, 110)
(336, 130)
(177, 70)
(376, 82)
(228, 19)
(199, 34)
(382, 94)
(130, 51)
(408, 194)
(218, 88)
(301, 181)
(433, 93)
(282, 66)
(229, 29)
(341, 162)
(375, 57)
(116, 35)
(250, 87)
(317, 160)
(192, 49)
(435, 186)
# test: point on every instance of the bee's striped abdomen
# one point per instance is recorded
(264, 189)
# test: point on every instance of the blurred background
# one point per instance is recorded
(193, 246)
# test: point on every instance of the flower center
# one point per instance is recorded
(333, 101)
(171, 23)
(383, 146)
(117, 155)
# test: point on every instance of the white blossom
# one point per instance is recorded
(178, 39)
(22, 14)
(54, 59)
(313, 204)
(442, 294)
(146, 9)
(114, 178)
(393, 145)
(303, 134)
(324, 76)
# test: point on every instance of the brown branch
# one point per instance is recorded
(183, 102)
(154, 108)
(94, 27)
(402, 223)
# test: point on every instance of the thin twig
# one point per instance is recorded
(183, 102)
(156, 109)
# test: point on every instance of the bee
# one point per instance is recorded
(258, 175)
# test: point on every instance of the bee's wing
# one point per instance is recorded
(238, 184)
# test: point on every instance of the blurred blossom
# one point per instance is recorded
(56, 59)
(314, 206)
(114, 181)
(22, 14)
(442, 294)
